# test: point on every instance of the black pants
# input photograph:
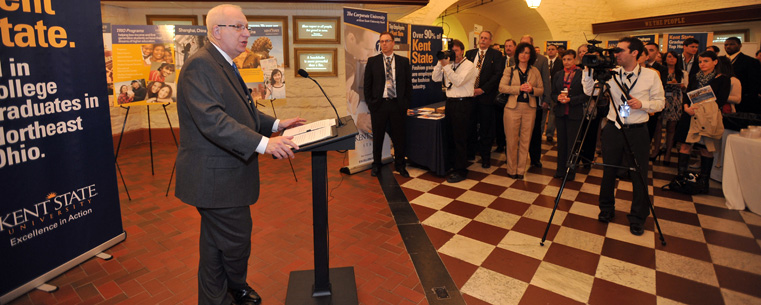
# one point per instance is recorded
(499, 126)
(224, 248)
(567, 130)
(651, 124)
(481, 129)
(458, 116)
(614, 150)
(590, 142)
(535, 146)
(388, 115)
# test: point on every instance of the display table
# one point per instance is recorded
(742, 172)
(426, 142)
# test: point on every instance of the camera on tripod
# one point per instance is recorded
(602, 60)
(445, 54)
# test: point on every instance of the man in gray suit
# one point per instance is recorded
(221, 137)
(535, 146)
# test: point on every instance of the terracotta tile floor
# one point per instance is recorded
(158, 262)
(486, 230)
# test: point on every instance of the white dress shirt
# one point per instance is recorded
(461, 75)
(648, 89)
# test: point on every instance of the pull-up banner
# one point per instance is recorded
(425, 41)
(59, 202)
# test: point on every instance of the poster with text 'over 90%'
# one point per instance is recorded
(60, 201)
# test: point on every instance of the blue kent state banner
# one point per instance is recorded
(59, 198)
(425, 41)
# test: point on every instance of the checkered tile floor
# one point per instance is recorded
(487, 231)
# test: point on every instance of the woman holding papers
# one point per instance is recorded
(701, 122)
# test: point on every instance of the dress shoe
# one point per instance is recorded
(455, 177)
(536, 164)
(606, 216)
(486, 162)
(636, 229)
(550, 140)
(374, 170)
(500, 149)
(402, 171)
(559, 175)
(245, 296)
(519, 177)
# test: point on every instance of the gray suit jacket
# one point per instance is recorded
(542, 63)
(217, 164)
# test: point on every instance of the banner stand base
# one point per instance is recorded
(351, 170)
(47, 288)
(41, 281)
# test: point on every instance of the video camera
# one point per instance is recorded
(599, 59)
(444, 54)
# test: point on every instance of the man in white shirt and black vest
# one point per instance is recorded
(459, 78)
(639, 94)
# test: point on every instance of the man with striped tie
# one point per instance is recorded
(388, 91)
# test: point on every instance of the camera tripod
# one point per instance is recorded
(602, 88)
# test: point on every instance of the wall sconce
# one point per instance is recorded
(533, 3)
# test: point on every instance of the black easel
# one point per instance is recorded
(272, 103)
(602, 88)
(150, 140)
(324, 285)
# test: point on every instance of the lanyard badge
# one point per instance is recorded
(623, 110)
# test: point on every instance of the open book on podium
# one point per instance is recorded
(312, 132)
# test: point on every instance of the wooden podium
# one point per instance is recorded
(324, 285)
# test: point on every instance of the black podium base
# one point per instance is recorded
(301, 284)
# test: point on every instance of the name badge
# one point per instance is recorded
(624, 110)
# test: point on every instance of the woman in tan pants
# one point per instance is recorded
(524, 84)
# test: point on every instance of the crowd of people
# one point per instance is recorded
(545, 96)
(550, 96)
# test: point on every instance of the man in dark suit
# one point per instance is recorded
(388, 90)
(555, 64)
(748, 70)
(221, 136)
(690, 56)
(490, 65)
(535, 146)
(651, 50)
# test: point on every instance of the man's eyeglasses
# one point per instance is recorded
(385, 41)
(237, 27)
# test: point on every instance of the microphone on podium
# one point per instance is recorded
(305, 74)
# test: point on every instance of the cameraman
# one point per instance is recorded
(640, 92)
(460, 80)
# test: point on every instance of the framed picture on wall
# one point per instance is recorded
(171, 19)
(316, 30)
(316, 61)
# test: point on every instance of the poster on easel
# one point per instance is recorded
(361, 30)
(144, 67)
(60, 200)
(263, 62)
(188, 39)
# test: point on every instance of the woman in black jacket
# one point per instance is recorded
(569, 98)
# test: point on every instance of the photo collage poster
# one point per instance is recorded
(143, 64)
(263, 62)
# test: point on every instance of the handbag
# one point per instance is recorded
(503, 97)
(685, 184)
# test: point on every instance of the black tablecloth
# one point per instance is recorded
(426, 142)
